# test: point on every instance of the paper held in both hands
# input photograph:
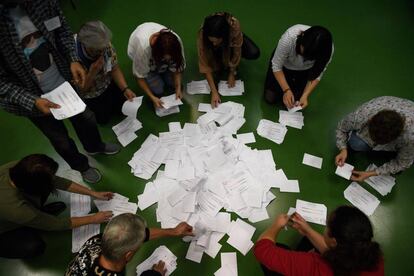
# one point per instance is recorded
(70, 102)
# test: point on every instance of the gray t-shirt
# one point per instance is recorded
(36, 51)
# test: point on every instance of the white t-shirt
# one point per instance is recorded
(139, 49)
(286, 56)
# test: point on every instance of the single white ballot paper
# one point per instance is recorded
(345, 171)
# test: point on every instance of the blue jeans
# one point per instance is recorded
(357, 144)
(157, 82)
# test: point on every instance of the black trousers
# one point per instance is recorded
(21, 243)
(297, 81)
(86, 129)
(107, 104)
(249, 49)
(304, 246)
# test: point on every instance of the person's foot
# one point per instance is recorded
(91, 175)
(54, 208)
(109, 149)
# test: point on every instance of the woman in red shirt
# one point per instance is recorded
(346, 247)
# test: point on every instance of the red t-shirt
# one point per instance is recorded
(288, 262)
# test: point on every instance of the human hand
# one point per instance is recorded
(160, 268)
(78, 73)
(281, 220)
(231, 80)
(341, 157)
(183, 229)
(97, 65)
(103, 195)
(178, 94)
(44, 105)
(300, 224)
(101, 217)
(288, 99)
(303, 102)
(215, 99)
(129, 94)
(157, 102)
(360, 176)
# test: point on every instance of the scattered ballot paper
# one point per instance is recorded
(361, 198)
(130, 108)
(170, 101)
(162, 253)
(228, 265)
(312, 212)
(198, 87)
(65, 96)
(162, 112)
(125, 130)
(83, 233)
(119, 204)
(290, 186)
(204, 107)
(246, 138)
(240, 236)
(237, 90)
(292, 119)
(297, 107)
(345, 171)
(312, 161)
(383, 184)
(273, 131)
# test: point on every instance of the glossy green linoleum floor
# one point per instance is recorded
(373, 57)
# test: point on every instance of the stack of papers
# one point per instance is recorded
(65, 96)
(125, 130)
(237, 90)
(162, 253)
(345, 171)
(383, 184)
(361, 198)
(162, 112)
(312, 212)
(293, 119)
(198, 87)
(228, 265)
(312, 161)
(119, 204)
(80, 205)
(273, 131)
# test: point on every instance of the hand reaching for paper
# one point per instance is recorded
(289, 99)
(44, 105)
(183, 229)
(300, 224)
(160, 268)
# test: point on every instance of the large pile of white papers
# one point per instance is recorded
(361, 198)
(162, 253)
(119, 204)
(225, 90)
(273, 131)
(70, 102)
(206, 170)
(292, 119)
(198, 87)
(383, 184)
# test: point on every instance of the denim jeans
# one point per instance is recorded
(357, 144)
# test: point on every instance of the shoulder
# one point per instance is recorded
(86, 256)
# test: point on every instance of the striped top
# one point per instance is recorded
(286, 56)
(358, 121)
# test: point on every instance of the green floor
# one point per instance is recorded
(373, 57)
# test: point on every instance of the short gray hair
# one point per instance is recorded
(95, 35)
(123, 233)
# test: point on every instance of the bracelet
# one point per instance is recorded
(123, 90)
(286, 90)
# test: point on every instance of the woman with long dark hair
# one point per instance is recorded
(221, 44)
(297, 65)
(157, 55)
(345, 248)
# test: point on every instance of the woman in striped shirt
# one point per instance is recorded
(297, 65)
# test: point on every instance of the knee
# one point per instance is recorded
(34, 248)
(270, 96)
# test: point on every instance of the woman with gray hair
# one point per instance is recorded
(105, 87)
(109, 253)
